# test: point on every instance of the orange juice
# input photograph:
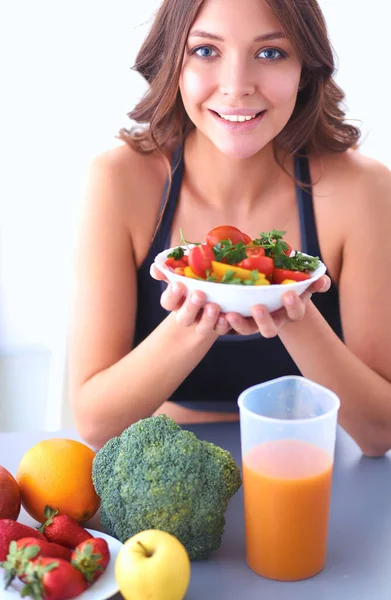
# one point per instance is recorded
(287, 485)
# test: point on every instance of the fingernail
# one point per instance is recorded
(195, 299)
(259, 313)
(290, 299)
(221, 321)
(176, 288)
(211, 311)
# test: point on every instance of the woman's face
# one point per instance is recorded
(240, 75)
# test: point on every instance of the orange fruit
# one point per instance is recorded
(58, 473)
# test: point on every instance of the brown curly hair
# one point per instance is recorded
(318, 120)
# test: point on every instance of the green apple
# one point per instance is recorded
(153, 565)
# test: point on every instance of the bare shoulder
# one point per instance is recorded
(352, 193)
(127, 170)
(353, 171)
(127, 186)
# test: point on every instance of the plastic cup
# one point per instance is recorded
(287, 427)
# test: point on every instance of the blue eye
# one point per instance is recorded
(204, 52)
(272, 54)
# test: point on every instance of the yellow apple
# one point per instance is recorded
(153, 565)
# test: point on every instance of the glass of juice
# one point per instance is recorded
(287, 427)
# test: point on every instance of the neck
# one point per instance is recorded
(222, 181)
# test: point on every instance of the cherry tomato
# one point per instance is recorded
(200, 259)
(226, 232)
(264, 264)
(280, 274)
(255, 251)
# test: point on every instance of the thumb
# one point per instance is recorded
(156, 274)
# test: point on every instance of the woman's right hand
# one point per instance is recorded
(191, 307)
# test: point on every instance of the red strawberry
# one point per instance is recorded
(12, 530)
(63, 529)
(91, 558)
(53, 579)
(24, 550)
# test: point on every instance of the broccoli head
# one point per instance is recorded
(157, 475)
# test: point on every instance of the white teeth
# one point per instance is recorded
(236, 118)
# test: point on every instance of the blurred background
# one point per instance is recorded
(66, 88)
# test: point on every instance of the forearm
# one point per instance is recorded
(139, 383)
(365, 396)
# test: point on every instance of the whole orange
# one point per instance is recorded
(57, 472)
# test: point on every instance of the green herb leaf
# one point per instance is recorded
(231, 253)
(272, 242)
(176, 254)
(298, 262)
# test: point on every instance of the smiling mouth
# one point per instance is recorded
(238, 118)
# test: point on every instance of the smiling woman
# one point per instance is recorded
(242, 124)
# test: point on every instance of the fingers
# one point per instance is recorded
(173, 296)
(212, 320)
(266, 325)
(242, 325)
(269, 324)
(294, 306)
(188, 312)
(320, 285)
(191, 310)
(222, 326)
(156, 274)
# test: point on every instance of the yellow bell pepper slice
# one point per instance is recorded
(220, 270)
(286, 281)
(188, 271)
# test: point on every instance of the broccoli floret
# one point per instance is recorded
(157, 475)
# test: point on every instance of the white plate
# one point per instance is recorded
(238, 298)
(105, 587)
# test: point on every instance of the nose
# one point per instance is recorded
(236, 79)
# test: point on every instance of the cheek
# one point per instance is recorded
(281, 90)
(195, 86)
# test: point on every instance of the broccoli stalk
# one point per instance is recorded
(158, 476)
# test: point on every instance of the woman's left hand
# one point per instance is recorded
(269, 324)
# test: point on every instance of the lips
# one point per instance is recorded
(244, 124)
(246, 112)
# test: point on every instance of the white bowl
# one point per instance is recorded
(238, 298)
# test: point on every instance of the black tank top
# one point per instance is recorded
(234, 362)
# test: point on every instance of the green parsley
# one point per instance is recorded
(176, 254)
(226, 251)
(298, 262)
(272, 242)
(275, 247)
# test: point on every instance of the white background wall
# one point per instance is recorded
(66, 88)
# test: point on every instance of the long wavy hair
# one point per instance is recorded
(318, 120)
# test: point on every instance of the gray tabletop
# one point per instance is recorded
(358, 564)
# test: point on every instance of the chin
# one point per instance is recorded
(239, 150)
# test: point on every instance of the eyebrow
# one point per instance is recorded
(266, 37)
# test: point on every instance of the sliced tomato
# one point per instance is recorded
(226, 232)
(264, 264)
(255, 251)
(289, 250)
(280, 274)
(200, 259)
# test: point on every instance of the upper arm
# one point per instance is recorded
(365, 281)
(104, 298)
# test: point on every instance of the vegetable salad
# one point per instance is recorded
(231, 256)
